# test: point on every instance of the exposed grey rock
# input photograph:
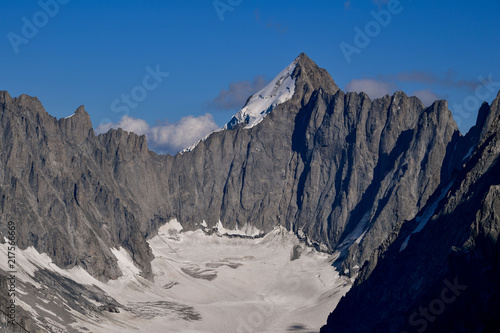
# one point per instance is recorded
(24, 322)
(319, 164)
(459, 245)
(296, 252)
(57, 192)
(58, 301)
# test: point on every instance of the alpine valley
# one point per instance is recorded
(311, 209)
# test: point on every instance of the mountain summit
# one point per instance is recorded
(294, 84)
(282, 89)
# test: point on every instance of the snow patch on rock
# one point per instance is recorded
(278, 91)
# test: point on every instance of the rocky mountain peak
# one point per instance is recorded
(126, 143)
(491, 116)
(28, 105)
(296, 82)
(309, 78)
(77, 126)
(4, 97)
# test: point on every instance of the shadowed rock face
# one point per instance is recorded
(328, 165)
(445, 278)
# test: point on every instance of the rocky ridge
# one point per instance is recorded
(444, 276)
(338, 169)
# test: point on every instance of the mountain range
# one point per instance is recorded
(401, 202)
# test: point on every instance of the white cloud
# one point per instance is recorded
(372, 88)
(426, 96)
(166, 137)
(129, 124)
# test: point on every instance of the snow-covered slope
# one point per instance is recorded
(278, 91)
(202, 283)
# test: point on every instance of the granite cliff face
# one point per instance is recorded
(338, 169)
(439, 272)
(387, 185)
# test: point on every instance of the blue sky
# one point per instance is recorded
(216, 53)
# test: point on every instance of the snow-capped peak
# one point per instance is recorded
(278, 91)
